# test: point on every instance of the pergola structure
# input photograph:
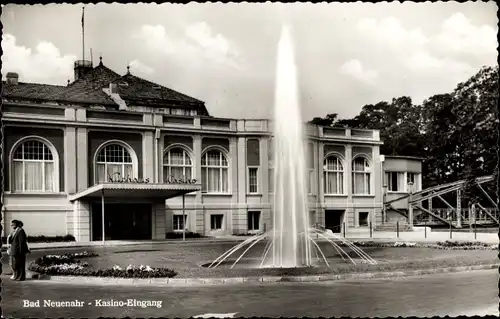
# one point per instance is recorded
(453, 216)
(138, 191)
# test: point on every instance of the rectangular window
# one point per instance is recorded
(253, 220)
(179, 222)
(253, 180)
(216, 221)
(363, 219)
(395, 182)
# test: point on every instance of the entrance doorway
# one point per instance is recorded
(334, 220)
(122, 221)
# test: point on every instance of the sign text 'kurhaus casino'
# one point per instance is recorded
(118, 178)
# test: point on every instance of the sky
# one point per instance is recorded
(347, 54)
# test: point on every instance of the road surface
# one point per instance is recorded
(468, 293)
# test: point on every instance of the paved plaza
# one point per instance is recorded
(433, 295)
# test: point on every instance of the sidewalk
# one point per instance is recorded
(354, 236)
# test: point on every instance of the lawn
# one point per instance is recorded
(187, 259)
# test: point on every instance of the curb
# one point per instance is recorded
(263, 279)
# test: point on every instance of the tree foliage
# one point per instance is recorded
(456, 133)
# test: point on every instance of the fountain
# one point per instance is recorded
(291, 241)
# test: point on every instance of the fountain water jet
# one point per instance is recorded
(290, 241)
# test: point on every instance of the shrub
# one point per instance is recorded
(68, 265)
(46, 239)
(177, 235)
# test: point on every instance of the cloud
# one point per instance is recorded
(355, 69)
(140, 67)
(390, 32)
(457, 37)
(436, 61)
(458, 34)
(45, 64)
(196, 46)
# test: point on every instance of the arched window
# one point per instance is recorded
(361, 176)
(115, 161)
(334, 176)
(177, 164)
(34, 168)
(214, 172)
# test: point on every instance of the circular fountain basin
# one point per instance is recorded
(254, 263)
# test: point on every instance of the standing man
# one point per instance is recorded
(18, 251)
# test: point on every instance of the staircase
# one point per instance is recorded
(392, 227)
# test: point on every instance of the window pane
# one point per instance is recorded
(225, 180)
(358, 183)
(18, 176)
(33, 176)
(213, 159)
(128, 170)
(49, 177)
(204, 179)
(101, 173)
(214, 182)
(176, 157)
(252, 180)
(114, 170)
(177, 172)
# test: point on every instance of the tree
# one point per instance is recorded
(456, 133)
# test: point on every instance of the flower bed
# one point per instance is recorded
(452, 245)
(68, 265)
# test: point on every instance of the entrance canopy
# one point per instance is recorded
(133, 190)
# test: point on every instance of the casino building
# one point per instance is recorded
(145, 154)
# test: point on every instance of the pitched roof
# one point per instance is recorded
(33, 91)
(89, 90)
(134, 87)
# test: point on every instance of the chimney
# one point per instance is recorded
(12, 78)
(82, 67)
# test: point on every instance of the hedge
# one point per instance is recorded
(46, 239)
(177, 235)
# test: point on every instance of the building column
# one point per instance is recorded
(82, 161)
(148, 162)
(200, 221)
(377, 181)
(239, 215)
(320, 217)
(70, 167)
(264, 183)
(350, 212)
(81, 221)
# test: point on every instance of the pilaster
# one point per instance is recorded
(82, 164)
(350, 219)
(320, 217)
(148, 162)
(200, 223)
(263, 181)
(70, 168)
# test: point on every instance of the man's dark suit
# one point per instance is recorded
(19, 249)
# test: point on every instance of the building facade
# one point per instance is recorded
(130, 147)
(402, 175)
